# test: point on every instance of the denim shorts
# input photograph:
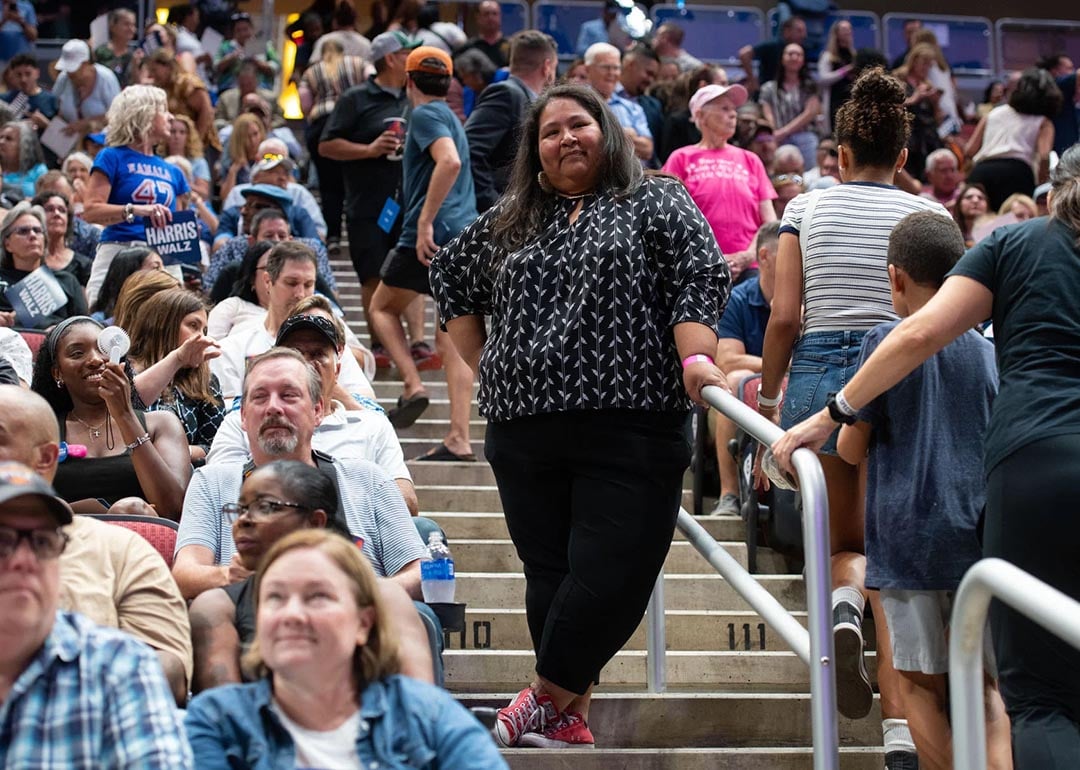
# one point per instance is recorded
(822, 364)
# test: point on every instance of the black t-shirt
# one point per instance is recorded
(243, 596)
(1033, 270)
(76, 298)
(360, 116)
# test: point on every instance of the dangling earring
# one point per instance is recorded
(59, 383)
(545, 185)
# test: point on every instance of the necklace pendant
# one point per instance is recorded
(95, 433)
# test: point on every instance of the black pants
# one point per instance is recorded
(1002, 178)
(331, 180)
(591, 500)
(1032, 521)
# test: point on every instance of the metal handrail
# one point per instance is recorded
(814, 646)
(1041, 603)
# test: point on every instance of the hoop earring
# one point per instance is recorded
(59, 383)
(545, 185)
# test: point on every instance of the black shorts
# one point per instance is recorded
(402, 270)
(369, 245)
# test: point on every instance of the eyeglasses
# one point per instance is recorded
(259, 267)
(56, 210)
(45, 543)
(787, 179)
(26, 230)
(260, 510)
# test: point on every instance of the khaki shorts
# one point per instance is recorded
(918, 629)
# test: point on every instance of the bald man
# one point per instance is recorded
(107, 573)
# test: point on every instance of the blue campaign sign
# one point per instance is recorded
(178, 241)
(35, 296)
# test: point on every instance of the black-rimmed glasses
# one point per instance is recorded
(45, 543)
(260, 510)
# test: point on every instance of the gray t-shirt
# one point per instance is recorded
(925, 486)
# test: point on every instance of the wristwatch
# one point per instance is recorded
(129, 212)
(837, 414)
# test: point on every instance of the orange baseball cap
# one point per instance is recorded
(429, 59)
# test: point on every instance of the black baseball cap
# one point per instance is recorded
(17, 480)
(308, 321)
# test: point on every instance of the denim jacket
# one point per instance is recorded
(404, 724)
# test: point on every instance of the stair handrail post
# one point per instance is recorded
(656, 639)
(818, 561)
(1041, 603)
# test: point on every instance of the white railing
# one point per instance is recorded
(814, 646)
(993, 579)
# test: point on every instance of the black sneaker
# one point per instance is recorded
(854, 696)
(901, 760)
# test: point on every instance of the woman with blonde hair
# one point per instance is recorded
(1020, 206)
(131, 188)
(328, 692)
(247, 134)
(136, 290)
(169, 353)
(187, 94)
(923, 102)
(116, 53)
(836, 69)
(184, 141)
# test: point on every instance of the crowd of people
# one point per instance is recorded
(601, 240)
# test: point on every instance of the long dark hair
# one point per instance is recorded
(125, 263)
(244, 286)
(526, 208)
(1065, 183)
(1036, 93)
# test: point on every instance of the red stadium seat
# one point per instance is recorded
(160, 533)
(33, 338)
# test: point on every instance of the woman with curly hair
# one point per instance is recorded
(169, 353)
(843, 281)
(20, 157)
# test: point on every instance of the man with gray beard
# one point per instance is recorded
(282, 404)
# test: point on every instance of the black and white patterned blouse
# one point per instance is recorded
(582, 317)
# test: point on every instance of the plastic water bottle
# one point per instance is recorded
(437, 572)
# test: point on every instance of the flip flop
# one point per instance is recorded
(442, 453)
(408, 410)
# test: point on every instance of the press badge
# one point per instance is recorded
(389, 214)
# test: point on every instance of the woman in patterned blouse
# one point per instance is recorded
(598, 281)
(170, 350)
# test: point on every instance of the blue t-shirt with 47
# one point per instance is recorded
(138, 179)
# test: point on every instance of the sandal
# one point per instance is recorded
(442, 453)
(408, 410)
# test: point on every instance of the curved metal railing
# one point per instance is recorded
(1043, 604)
(814, 646)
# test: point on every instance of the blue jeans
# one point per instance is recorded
(822, 364)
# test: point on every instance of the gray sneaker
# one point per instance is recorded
(727, 506)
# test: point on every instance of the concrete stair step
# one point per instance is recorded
(769, 671)
(859, 758)
(455, 497)
(492, 525)
(442, 473)
(415, 447)
(499, 555)
(503, 629)
(438, 408)
(388, 381)
(690, 720)
(681, 592)
(437, 428)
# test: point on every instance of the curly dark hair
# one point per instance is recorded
(529, 208)
(874, 124)
(1036, 93)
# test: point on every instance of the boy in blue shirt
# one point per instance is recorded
(925, 490)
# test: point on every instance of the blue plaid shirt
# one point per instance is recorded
(91, 698)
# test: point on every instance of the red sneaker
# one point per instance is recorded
(569, 731)
(382, 358)
(424, 357)
(523, 714)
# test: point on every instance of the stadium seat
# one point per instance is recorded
(966, 41)
(160, 533)
(714, 33)
(1023, 41)
(33, 338)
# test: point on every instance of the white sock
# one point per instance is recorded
(852, 596)
(897, 735)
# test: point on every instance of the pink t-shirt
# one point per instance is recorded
(728, 186)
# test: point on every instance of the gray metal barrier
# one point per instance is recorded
(814, 646)
(993, 579)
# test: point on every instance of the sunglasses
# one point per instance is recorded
(26, 230)
(787, 179)
(45, 543)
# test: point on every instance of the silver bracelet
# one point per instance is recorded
(143, 439)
